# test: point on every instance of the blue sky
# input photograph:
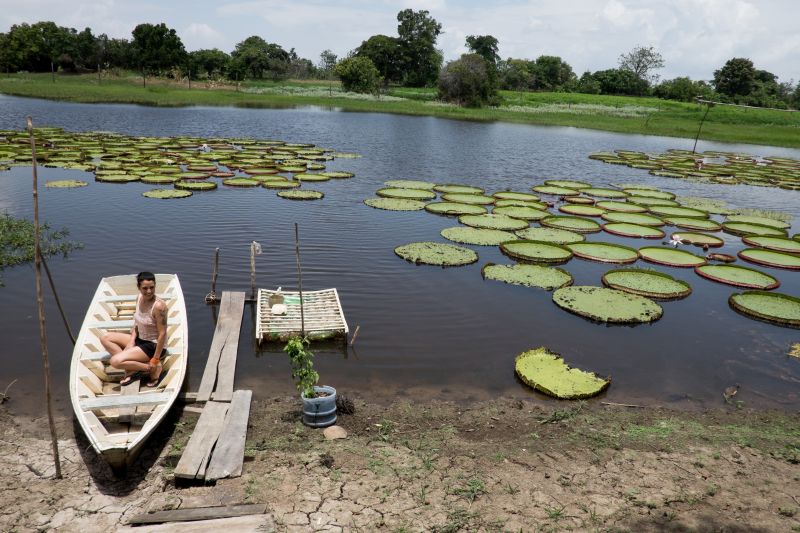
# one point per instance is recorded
(694, 36)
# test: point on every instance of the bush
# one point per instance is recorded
(358, 74)
(683, 89)
(467, 82)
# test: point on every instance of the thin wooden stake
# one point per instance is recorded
(299, 279)
(252, 270)
(58, 301)
(215, 273)
(708, 108)
(355, 335)
(40, 303)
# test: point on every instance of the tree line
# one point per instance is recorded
(409, 59)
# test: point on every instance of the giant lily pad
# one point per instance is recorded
(771, 258)
(582, 210)
(686, 212)
(569, 184)
(762, 221)
(195, 185)
(540, 252)
(604, 252)
(66, 184)
(670, 257)
(622, 207)
(305, 176)
(607, 305)
(454, 208)
(576, 224)
(698, 239)
(338, 174)
(165, 194)
(505, 202)
(395, 204)
(436, 253)
(511, 195)
(700, 224)
(599, 192)
(747, 228)
(458, 189)
(738, 276)
(289, 184)
(241, 182)
(653, 202)
(779, 244)
(301, 194)
(551, 235)
(479, 236)
(647, 283)
(522, 213)
(116, 178)
(493, 221)
(411, 184)
(407, 194)
(649, 193)
(633, 218)
(772, 307)
(548, 373)
(542, 277)
(555, 190)
(475, 199)
(633, 230)
(159, 179)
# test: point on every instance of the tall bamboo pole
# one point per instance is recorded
(299, 280)
(40, 303)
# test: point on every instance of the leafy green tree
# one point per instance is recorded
(466, 82)
(485, 46)
(619, 81)
(588, 84)
(516, 74)
(386, 53)
(642, 61)
(327, 62)
(156, 48)
(116, 53)
(358, 74)
(736, 77)
(551, 73)
(87, 50)
(417, 32)
(682, 89)
(259, 59)
(208, 63)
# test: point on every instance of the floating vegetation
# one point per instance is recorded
(301, 194)
(685, 212)
(511, 195)
(765, 213)
(771, 258)
(650, 202)
(346, 155)
(539, 252)
(304, 176)
(454, 208)
(458, 189)
(582, 200)
(738, 276)
(607, 305)
(479, 236)
(337, 174)
(551, 235)
(649, 193)
(493, 221)
(778, 244)
(282, 184)
(65, 184)
(193, 175)
(633, 218)
(408, 194)
(625, 229)
(555, 190)
(117, 178)
(649, 283)
(159, 180)
(761, 221)
(717, 207)
(772, 307)
(700, 224)
(166, 194)
(464, 198)
(698, 239)
(522, 213)
(504, 202)
(604, 252)
(599, 192)
(747, 228)
(547, 372)
(258, 171)
(582, 210)
(576, 224)
(621, 207)
(436, 253)
(241, 182)
(195, 185)
(670, 257)
(395, 204)
(411, 184)
(569, 184)
(541, 277)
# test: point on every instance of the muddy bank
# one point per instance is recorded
(504, 465)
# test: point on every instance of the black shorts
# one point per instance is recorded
(148, 347)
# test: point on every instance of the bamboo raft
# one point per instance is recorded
(118, 420)
(322, 311)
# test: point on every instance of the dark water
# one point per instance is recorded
(425, 331)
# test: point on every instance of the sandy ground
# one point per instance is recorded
(506, 465)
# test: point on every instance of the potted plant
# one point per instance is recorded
(319, 402)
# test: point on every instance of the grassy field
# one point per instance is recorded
(648, 116)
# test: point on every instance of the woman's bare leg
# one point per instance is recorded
(131, 360)
(115, 342)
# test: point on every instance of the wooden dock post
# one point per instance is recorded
(299, 279)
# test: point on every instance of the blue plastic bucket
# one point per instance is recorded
(320, 412)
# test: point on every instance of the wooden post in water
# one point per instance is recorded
(708, 108)
(58, 301)
(253, 270)
(215, 273)
(299, 279)
(40, 302)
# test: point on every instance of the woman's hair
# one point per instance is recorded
(144, 276)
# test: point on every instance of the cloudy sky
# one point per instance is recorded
(694, 36)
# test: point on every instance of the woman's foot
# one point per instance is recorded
(155, 375)
(128, 379)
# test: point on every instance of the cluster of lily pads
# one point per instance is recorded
(712, 166)
(187, 164)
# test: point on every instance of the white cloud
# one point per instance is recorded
(199, 35)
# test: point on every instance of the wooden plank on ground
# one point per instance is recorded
(192, 464)
(229, 320)
(198, 513)
(228, 456)
(223, 392)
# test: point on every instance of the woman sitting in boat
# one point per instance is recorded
(140, 350)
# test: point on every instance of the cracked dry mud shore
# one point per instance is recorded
(505, 465)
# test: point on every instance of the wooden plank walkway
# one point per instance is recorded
(221, 363)
(192, 464)
(229, 452)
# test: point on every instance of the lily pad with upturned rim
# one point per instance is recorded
(569, 184)
(743, 229)
(475, 199)
(762, 221)
(620, 207)
(411, 184)
(669, 211)
(117, 178)
(538, 252)
(493, 221)
(648, 283)
(305, 176)
(582, 210)
(652, 202)
(738, 276)
(406, 194)
(698, 239)
(604, 252)
(301, 194)
(778, 244)
(633, 218)
(625, 229)
(700, 224)
(454, 188)
(338, 174)
(436, 253)
(504, 202)
(551, 235)
(159, 180)
(571, 223)
(547, 372)
(511, 195)
(286, 184)
(670, 257)
(195, 185)
(600, 192)
(771, 258)
(776, 308)
(66, 184)
(649, 193)
(522, 213)
(555, 191)
(454, 208)
(166, 194)
(538, 276)
(241, 182)
(580, 200)
(477, 236)
(607, 305)
(395, 204)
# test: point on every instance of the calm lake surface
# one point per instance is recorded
(425, 331)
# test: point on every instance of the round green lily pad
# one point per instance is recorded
(479, 236)
(600, 192)
(669, 211)
(241, 182)
(458, 189)
(633, 218)
(407, 194)
(772, 307)
(454, 208)
(66, 184)
(698, 239)
(670, 257)
(436, 253)
(649, 283)
(504, 202)
(779, 244)
(547, 372)
(305, 176)
(649, 193)
(511, 195)
(522, 213)
(604, 252)
(338, 174)
(166, 194)
(542, 277)
(762, 221)
(197, 185)
(738, 276)
(301, 194)
(700, 224)
(625, 229)
(411, 184)
(260, 171)
(555, 190)
(552, 235)
(771, 258)
(292, 169)
(540, 252)
(116, 178)
(652, 202)
(607, 305)
(159, 180)
(475, 199)
(622, 207)
(582, 210)
(284, 184)
(581, 200)
(395, 204)
(493, 221)
(569, 184)
(576, 224)
(193, 175)
(746, 228)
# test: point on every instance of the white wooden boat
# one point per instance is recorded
(118, 420)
